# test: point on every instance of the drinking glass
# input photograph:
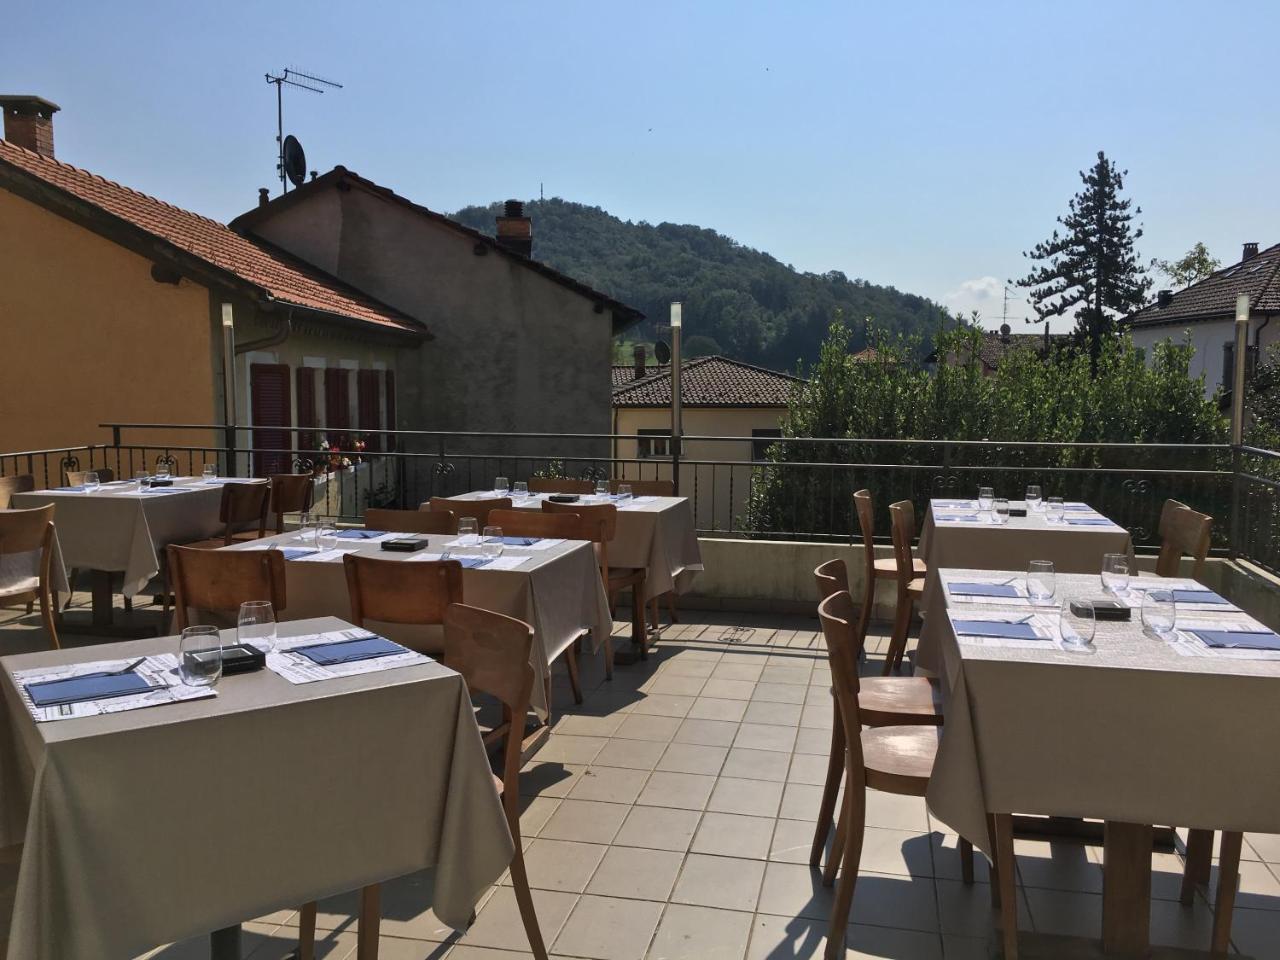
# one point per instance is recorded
(162, 470)
(468, 531)
(624, 491)
(1000, 508)
(986, 496)
(521, 489)
(1041, 585)
(200, 656)
(1055, 510)
(91, 482)
(501, 485)
(210, 472)
(1159, 613)
(1033, 497)
(602, 488)
(256, 625)
(1076, 626)
(1115, 573)
(491, 544)
(142, 479)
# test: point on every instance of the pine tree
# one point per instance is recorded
(1092, 266)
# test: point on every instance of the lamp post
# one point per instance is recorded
(229, 386)
(676, 424)
(1237, 413)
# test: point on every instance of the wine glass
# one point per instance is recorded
(200, 656)
(1033, 497)
(256, 625)
(1055, 510)
(1115, 573)
(1159, 613)
(210, 472)
(491, 543)
(142, 479)
(602, 488)
(521, 489)
(501, 486)
(91, 482)
(624, 491)
(1000, 510)
(1041, 584)
(1076, 625)
(468, 531)
(986, 497)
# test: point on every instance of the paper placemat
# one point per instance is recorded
(297, 668)
(159, 670)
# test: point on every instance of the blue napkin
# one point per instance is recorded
(349, 651)
(359, 534)
(982, 590)
(1238, 639)
(517, 541)
(963, 504)
(90, 686)
(957, 518)
(293, 553)
(79, 489)
(1078, 507)
(991, 628)
(1089, 522)
(1199, 596)
(471, 563)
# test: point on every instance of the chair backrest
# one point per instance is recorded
(397, 592)
(290, 493)
(76, 477)
(221, 580)
(244, 502)
(470, 508)
(492, 654)
(1182, 531)
(604, 519)
(561, 485)
(831, 577)
(22, 483)
(903, 517)
(531, 523)
(645, 488)
(836, 614)
(410, 521)
(865, 508)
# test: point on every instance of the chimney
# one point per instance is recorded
(515, 230)
(1164, 298)
(1250, 249)
(28, 122)
(264, 196)
(638, 354)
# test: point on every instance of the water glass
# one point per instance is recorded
(1055, 510)
(1041, 584)
(1033, 497)
(1159, 613)
(91, 482)
(491, 544)
(1000, 508)
(162, 469)
(1115, 573)
(501, 486)
(200, 656)
(521, 489)
(256, 625)
(986, 496)
(468, 531)
(602, 488)
(142, 479)
(1076, 625)
(210, 472)
(624, 491)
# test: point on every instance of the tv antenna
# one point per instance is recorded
(303, 81)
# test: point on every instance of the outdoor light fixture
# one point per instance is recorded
(228, 318)
(675, 314)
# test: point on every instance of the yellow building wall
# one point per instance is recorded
(718, 492)
(88, 337)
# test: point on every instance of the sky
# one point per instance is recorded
(919, 145)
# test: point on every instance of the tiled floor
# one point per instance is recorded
(670, 816)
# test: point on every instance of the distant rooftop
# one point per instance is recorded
(705, 382)
(1214, 297)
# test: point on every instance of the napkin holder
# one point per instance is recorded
(404, 544)
(160, 483)
(564, 498)
(242, 658)
(1017, 511)
(1105, 610)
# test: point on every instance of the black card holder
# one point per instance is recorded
(1105, 610)
(405, 544)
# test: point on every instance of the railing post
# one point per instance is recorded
(229, 441)
(1236, 466)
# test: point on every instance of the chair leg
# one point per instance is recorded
(370, 922)
(1228, 885)
(637, 620)
(898, 639)
(966, 861)
(1008, 880)
(608, 658)
(864, 615)
(853, 815)
(993, 865)
(835, 771)
(307, 931)
(655, 621)
(47, 605)
(571, 664)
(524, 899)
(1199, 864)
(671, 606)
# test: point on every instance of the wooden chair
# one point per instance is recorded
(561, 485)
(469, 508)
(76, 477)
(893, 759)
(221, 580)
(25, 531)
(1182, 531)
(882, 702)
(241, 503)
(22, 483)
(410, 521)
(616, 579)
(874, 569)
(491, 652)
(395, 592)
(290, 493)
(910, 583)
(645, 488)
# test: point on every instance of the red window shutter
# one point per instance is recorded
(337, 402)
(306, 378)
(369, 402)
(269, 395)
(391, 407)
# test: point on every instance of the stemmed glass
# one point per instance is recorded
(468, 531)
(521, 489)
(1033, 497)
(501, 486)
(256, 625)
(1115, 573)
(1076, 625)
(91, 482)
(491, 544)
(1055, 510)
(986, 497)
(210, 472)
(1000, 510)
(200, 656)
(1041, 584)
(1159, 613)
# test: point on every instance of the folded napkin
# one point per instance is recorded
(957, 518)
(1089, 522)
(1078, 507)
(982, 589)
(349, 651)
(79, 489)
(88, 686)
(471, 563)
(960, 504)
(995, 628)
(516, 541)
(359, 534)
(1238, 639)
(293, 553)
(1199, 596)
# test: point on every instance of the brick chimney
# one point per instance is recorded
(638, 355)
(28, 122)
(515, 230)
(1250, 251)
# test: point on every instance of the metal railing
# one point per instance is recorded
(797, 489)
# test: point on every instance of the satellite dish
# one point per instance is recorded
(295, 161)
(662, 351)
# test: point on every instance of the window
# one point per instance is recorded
(269, 398)
(306, 386)
(761, 440)
(653, 444)
(369, 405)
(337, 405)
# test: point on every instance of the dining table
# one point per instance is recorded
(1131, 729)
(149, 820)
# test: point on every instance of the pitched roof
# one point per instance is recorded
(705, 382)
(624, 315)
(995, 344)
(270, 274)
(1214, 297)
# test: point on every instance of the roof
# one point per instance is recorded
(1214, 297)
(624, 315)
(705, 382)
(995, 344)
(269, 274)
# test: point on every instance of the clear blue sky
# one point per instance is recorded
(923, 145)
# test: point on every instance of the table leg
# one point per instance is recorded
(1126, 889)
(101, 591)
(224, 944)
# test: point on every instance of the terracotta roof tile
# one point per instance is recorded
(1215, 296)
(705, 382)
(274, 273)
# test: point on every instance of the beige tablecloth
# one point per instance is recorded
(983, 545)
(656, 534)
(118, 528)
(159, 824)
(1135, 732)
(556, 591)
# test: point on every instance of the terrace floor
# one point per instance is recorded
(670, 816)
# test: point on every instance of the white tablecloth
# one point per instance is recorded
(159, 824)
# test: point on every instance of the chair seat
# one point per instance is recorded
(896, 701)
(213, 543)
(498, 784)
(888, 567)
(244, 536)
(900, 759)
(916, 587)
